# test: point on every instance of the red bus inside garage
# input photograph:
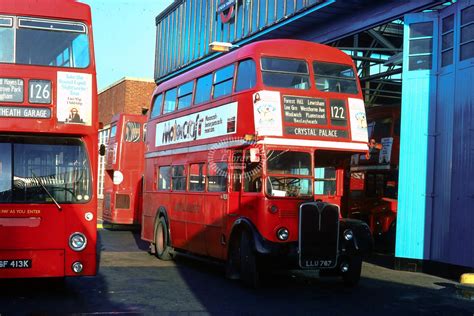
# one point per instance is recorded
(243, 157)
(374, 177)
(48, 140)
(124, 170)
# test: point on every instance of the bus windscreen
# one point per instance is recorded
(38, 169)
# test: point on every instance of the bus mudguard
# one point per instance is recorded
(362, 241)
(260, 245)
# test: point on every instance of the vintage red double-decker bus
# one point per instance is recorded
(374, 176)
(124, 170)
(48, 140)
(244, 154)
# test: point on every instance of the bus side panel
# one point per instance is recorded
(194, 218)
(215, 206)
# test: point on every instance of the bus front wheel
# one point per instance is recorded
(248, 261)
(162, 248)
(352, 276)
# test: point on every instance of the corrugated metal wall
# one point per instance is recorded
(460, 249)
(436, 198)
(417, 102)
(185, 31)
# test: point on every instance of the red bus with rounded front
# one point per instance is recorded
(242, 157)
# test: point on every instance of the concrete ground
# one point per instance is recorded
(132, 282)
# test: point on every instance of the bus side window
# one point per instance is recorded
(178, 178)
(217, 177)
(252, 175)
(170, 101)
(223, 80)
(203, 89)
(237, 171)
(164, 181)
(197, 178)
(246, 75)
(157, 106)
(185, 95)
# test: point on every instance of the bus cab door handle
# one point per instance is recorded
(224, 196)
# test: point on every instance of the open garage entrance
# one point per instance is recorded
(413, 187)
(372, 180)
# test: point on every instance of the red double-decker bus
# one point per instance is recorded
(124, 170)
(374, 176)
(244, 154)
(48, 139)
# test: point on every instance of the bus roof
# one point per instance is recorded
(285, 48)
(139, 117)
(55, 9)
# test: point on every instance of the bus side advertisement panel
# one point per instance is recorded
(214, 122)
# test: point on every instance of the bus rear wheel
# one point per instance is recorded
(162, 248)
(248, 262)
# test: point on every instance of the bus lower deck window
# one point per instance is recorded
(217, 177)
(197, 178)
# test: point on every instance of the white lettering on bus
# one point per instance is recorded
(316, 132)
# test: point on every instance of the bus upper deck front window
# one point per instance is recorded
(6, 40)
(289, 174)
(331, 77)
(44, 42)
(285, 73)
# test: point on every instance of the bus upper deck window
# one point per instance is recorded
(157, 106)
(203, 89)
(223, 80)
(285, 73)
(331, 77)
(52, 43)
(170, 101)
(185, 95)
(246, 75)
(6, 40)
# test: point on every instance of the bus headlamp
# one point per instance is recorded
(348, 234)
(283, 234)
(77, 241)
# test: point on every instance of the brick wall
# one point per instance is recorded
(125, 96)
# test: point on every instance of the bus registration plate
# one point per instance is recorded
(15, 264)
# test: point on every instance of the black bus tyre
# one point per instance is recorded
(232, 265)
(352, 276)
(248, 261)
(391, 237)
(162, 248)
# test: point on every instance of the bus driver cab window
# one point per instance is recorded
(252, 174)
